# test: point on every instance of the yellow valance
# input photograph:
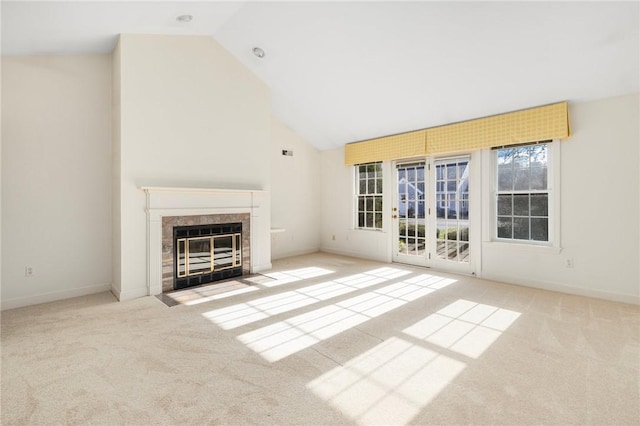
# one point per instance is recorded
(534, 124)
(404, 145)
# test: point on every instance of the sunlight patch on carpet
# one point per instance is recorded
(284, 338)
(388, 384)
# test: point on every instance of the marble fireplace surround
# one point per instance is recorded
(169, 222)
(167, 207)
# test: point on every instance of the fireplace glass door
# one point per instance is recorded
(202, 255)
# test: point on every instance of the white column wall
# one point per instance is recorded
(191, 115)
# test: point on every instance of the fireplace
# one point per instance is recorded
(175, 207)
(200, 249)
(206, 253)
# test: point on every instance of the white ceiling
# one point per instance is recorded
(342, 72)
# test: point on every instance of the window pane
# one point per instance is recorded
(378, 218)
(411, 211)
(371, 186)
(360, 204)
(538, 155)
(451, 186)
(461, 168)
(521, 228)
(402, 245)
(539, 229)
(378, 204)
(452, 234)
(369, 206)
(505, 227)
(379, 186)
(505, 205)
(421, 210)
(451, 210)
(369, 218)
(363, 187)
(451, 171)
(539, 205)
(411, 174)
(421, 173)
(464, 234)
(521, 182)
(521, 158)
(505, 157)
(421, 231)
(452, 250)
(463, 211)
(464, 252)
(538, 178)
(360, 220)
(402, 227)
(505, 177)
(521, 205)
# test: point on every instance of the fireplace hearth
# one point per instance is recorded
(206, 253)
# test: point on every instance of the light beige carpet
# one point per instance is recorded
(326, 340)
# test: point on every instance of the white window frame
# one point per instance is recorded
(378, 193)
(553, 190)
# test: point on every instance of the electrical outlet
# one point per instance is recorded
(28, 271)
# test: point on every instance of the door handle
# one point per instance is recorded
(395, 216)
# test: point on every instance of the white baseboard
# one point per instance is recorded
(20, 302)
(354, 254)
(563, 288)
(293, 253)
(129, 294)
(261, 267)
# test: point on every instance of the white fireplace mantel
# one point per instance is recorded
(177, 201)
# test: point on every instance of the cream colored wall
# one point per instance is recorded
(191, 115)
(295, 193)
(599, 210)
(337, 209)
(599, 227)
(56, 177)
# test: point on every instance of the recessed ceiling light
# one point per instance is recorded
(258, 52)
(184, 18)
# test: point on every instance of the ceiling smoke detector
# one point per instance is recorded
(258, 52)
(184, 18)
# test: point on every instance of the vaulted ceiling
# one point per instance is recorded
(340, 72)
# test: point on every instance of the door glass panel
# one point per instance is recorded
(452, 209)
(412, 238)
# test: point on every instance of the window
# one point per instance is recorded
(522, 193)
(369, 196)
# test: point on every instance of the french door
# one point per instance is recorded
(410, 214)
(431, 214)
